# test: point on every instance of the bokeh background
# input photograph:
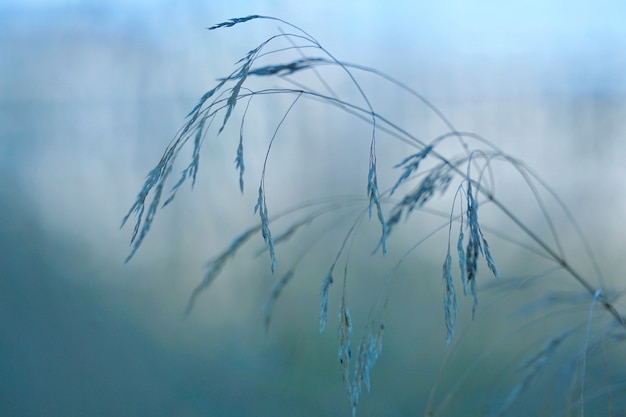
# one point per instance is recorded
(92, 92)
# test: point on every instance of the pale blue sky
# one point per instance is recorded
(487, 26)
(584, 38)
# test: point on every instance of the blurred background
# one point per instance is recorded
(92, 92)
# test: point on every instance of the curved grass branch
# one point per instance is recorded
(473, 168)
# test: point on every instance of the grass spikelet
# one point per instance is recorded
(154, 177)
(345, 341)
(474, 246)
(261, 207)
(181, 181)
(192, 168)
(450, 304)
(276, 290)
(369, 350)
(437, 180)
(462, 261)
(195, 110)
(291, 231)
(374, 199)
(234, 21)
(532, 367)
(241, 79)
(471, 259)
(474, 296)
(239, 163)
(411, 165)
(195, 158)
(137, 238)
(215, 266)
(325, 287)
(488, 257)
(285, 69)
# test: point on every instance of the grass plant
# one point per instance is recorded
(458, 168)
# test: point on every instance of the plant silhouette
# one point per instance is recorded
(456, 167)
